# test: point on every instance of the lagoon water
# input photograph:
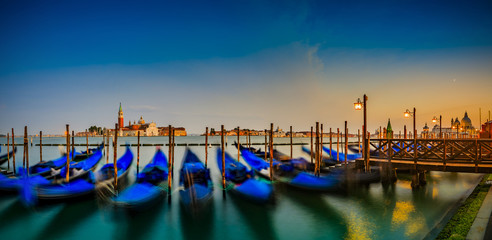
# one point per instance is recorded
(363, 212)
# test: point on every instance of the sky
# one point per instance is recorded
(242, 63)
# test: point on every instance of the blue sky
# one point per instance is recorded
(246, 63)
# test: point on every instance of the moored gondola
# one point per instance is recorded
(149, 187)
(241, 181)
(196, 187)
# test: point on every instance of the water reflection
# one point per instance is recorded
(68, 219)
(197, 225)
(257, 217)
(325, 218)
(137, 225)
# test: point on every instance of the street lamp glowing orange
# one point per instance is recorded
(407, 114)
(434, 120)
(358, 105)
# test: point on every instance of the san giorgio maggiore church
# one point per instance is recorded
(145, 129)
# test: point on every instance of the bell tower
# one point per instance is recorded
(120, 118)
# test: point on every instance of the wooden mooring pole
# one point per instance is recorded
(107, 146)
(311, 153)
(238, 144)
(40, 146)
(67, 175)
(338, 144)
(358, 138)
(24, 150)
(331, 143)
(206, 146)
(172, 155)
(316, 158)
(86, 144)
(266, 133)
(346, 143)
(27, 150)
(138, 152)
(271, 152)
(223, 156)
(291, 142)
(8, 151)
(13, 152)
(320, 149)
(72, 154)
(169, 175)
(115, 156)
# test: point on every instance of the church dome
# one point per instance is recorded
(426, 128)
(466, 121)
(141, 121)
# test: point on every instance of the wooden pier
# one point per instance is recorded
(449, 155)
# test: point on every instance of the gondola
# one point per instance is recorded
(101, 182)
(37, 174)
(5, 157)
(195, 184)
(350, 156)
(326, 161)
(241, 181)
(149, 187)
(286, 173)
(83, 155)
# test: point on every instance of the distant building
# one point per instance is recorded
(145, 129)
(486, 131)
(464, 127)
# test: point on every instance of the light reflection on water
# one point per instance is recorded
(378, 211)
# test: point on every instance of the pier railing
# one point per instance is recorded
(438, 151)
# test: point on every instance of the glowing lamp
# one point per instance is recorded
(434, 120)
(358, 105)
(407, 114)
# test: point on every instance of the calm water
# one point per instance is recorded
(373, 212)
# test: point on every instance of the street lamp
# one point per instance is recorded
(358, 106)
(434, 120)
(408, 114)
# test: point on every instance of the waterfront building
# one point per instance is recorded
(486, 131)
(464, 127)
(145, 129)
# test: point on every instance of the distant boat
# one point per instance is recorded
(5, 157)
(100, 182)
(286, 173)
(195, 184)
(149, 187)
(241, 181)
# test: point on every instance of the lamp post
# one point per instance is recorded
(358, 106)
(407, 114)
(434, 120)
